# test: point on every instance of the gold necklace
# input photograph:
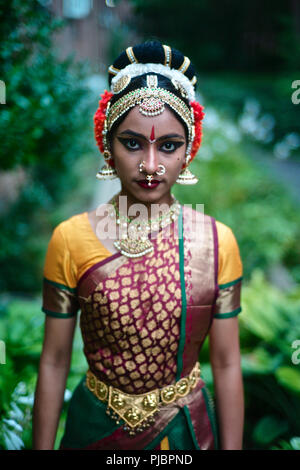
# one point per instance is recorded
(134, 241)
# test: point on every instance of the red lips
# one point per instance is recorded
(145, 184)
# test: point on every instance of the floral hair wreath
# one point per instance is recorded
(100, 117)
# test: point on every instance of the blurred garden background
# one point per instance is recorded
(53, 61)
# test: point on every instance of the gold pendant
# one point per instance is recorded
(134, 247)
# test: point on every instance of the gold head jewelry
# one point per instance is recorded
(151, 101)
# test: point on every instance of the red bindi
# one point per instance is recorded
(152, 136)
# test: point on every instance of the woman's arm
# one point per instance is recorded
(53, 371)
(228, 383)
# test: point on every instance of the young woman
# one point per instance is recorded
(151, 291)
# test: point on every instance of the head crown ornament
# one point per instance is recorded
(151, 100)
(134, 70)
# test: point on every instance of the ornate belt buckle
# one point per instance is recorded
(136, 410)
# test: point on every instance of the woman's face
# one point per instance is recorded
(157, 140)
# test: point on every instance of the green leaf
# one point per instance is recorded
(289, 377)
(268, 429)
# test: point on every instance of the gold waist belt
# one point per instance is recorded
(137, 411)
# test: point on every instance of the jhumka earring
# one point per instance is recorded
(107, 172)
(186, 176)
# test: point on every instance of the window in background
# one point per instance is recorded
(77, 9)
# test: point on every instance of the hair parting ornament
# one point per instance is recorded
(151, 101)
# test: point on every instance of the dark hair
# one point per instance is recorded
(150, 52)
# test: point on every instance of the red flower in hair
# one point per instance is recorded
(198, 115)
(99, 118)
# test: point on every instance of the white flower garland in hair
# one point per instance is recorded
(134, 70)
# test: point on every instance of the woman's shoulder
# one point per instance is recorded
(72, 226)
(72, 221)
(230, 263)
(223, 230)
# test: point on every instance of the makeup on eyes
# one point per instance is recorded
(133, 140)
(134, 144)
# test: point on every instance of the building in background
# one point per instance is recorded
(96, 29)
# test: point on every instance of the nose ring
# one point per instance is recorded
(162, 171)
(159, 173)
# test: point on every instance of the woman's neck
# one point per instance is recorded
(127, 201)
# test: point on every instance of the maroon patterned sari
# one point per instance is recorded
(143, 323)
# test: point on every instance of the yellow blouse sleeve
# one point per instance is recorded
(59, 282)
(230, 274)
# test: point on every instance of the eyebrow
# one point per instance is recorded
(141, 136)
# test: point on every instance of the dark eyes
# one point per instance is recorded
(131, 144)
(167, 147)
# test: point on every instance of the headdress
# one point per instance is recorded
(151, 101)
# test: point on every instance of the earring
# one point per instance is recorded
(106, 172)
(186, 176)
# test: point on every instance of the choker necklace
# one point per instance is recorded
(134, 241)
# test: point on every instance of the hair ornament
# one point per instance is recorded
(100, 120)
(194, 80)
(180, 88)
(168, 55)
(152, 81)
(134, 70)
(185, 65)
(198, 117)
(121, 84)
(113, 70)
(131, 56)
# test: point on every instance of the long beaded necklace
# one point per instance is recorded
(134, 241)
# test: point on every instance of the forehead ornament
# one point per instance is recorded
(151, 105)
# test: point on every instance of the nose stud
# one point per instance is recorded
(141, 165)
(149, 178)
